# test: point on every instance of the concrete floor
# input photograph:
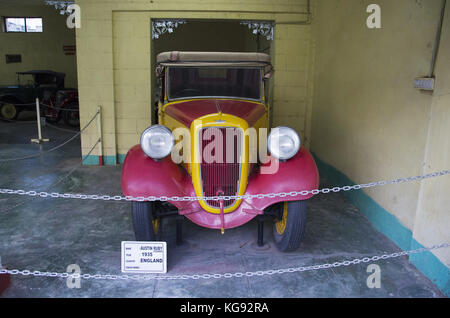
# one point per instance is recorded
(49, 234)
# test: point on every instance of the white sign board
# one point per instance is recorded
(144, 257)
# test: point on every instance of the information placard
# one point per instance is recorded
(144, 257)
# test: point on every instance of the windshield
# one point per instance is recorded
(241, 82)
(25, 80)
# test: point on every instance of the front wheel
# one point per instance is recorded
(288, 232)
(146, 224)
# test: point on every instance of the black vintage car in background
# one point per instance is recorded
(57, 102)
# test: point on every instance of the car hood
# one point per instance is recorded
(187, 111)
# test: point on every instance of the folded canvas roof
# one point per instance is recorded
(180, 58)
(212, 57)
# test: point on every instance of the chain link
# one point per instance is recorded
(54, 148)
(44, 194)
(224, 275)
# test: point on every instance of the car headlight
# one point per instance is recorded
(283, 143)
(157, 141)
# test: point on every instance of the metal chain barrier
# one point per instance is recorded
(222, 275)
(61, 179)
(56, 147)
(44, 194)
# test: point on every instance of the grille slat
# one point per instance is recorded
(219, 172)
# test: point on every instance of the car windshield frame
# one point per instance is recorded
(258, 68)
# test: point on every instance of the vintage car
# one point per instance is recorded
(209, 103)
(56, 101)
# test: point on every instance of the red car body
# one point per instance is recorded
(145, 177)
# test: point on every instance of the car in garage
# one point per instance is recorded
(215, 105)
(57, 102)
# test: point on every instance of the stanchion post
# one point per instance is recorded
(38, 117)
(99, 127)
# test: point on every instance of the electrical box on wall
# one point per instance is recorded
(424, 83)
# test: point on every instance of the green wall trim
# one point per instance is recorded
(92, 160)
(109, 160)
(121, 158)
(431, 267)
(386, 223)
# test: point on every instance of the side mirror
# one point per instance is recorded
(159, 71)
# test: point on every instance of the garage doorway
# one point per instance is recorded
(205, 35)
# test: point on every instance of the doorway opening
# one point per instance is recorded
(205, 35)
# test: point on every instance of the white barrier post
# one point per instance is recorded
(38, 116)
(99, 127)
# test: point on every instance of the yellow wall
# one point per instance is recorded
(369, 121)
(115, 56)
(432, 223)
(39, 50)
(132, 77)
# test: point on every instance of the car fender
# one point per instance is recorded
(296, 174)
(143, 176)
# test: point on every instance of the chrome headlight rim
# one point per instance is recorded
(147, 134)
(283, 131)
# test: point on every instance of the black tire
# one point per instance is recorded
(8, 110)
(71, 117)
(143, 221)
(289, 237)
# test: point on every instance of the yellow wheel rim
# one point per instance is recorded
(155, 225)
(8, 111)
(280, 225)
